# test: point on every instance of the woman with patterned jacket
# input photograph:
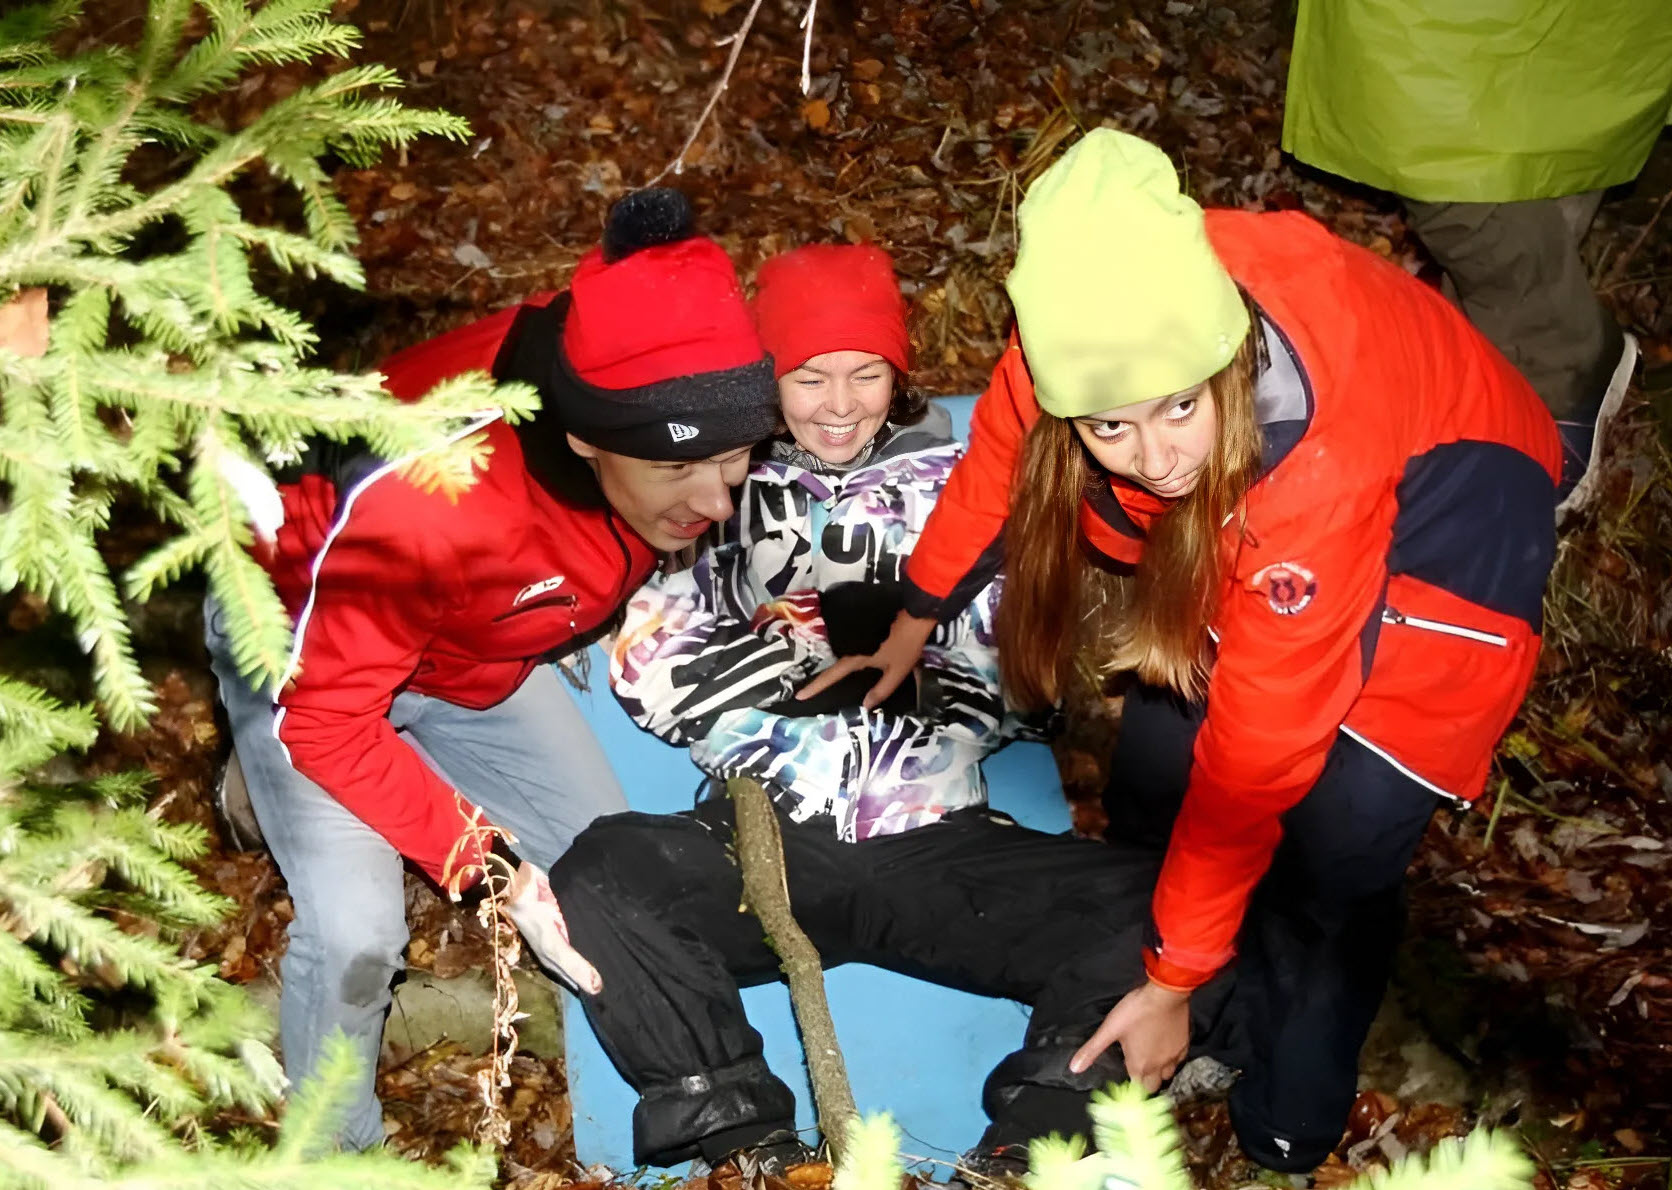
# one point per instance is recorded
(809, 568)
(891, 855)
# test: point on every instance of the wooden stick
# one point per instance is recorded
(807, 46)
(677, 165)
(1621, 262)
(760, 854)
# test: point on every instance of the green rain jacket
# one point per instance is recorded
(1480, 100)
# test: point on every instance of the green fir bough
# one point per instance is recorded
(144, 359)
(1137, 1148)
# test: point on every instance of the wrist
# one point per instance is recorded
(920, 626)
(1167, 993)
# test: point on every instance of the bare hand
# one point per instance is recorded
(1151, 1024)
(533, 908)
(896, 657)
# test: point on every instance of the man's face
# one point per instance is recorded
(670, 505)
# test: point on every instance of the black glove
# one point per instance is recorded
(857, 617)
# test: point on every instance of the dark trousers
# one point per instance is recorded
(1515, 269)
(973, 902)
(1317, 945)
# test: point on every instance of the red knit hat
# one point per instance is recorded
(660, 359)
(830, 297)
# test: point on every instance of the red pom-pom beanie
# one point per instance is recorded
(830, 297)
(659, 357)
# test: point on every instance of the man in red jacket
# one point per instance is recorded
(417, 703)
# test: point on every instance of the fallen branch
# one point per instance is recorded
(1622, 262)
(493, 1128)
(760, 854)
(677, 165)
(807, 46)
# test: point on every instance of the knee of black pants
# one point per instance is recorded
(622, 852)
(718, 1109)
(1033, 1093)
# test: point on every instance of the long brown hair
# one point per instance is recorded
(1061, 613)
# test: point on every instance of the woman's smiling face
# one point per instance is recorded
(834, 404)
(1162, 445)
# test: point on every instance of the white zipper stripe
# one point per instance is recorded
(1460, 802)
(1390, 616)
(319, 560)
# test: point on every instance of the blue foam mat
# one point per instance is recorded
(919, 1051)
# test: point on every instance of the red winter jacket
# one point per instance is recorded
(393, 588)
(1387, 585)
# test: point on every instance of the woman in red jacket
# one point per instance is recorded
(1311, 509)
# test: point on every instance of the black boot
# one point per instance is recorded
(771, 1155)
(987, 1166)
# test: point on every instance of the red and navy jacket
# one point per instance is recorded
(1388, 572)
(394, 588)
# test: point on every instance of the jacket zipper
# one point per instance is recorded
(1394, 616)
(537, 604)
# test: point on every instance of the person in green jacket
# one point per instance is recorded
(1500, 123)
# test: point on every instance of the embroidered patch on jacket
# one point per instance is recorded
(1288, 587)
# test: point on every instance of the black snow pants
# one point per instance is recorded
(1318, 942)
(973, 902)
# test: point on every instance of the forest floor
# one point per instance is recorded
(1535, 988)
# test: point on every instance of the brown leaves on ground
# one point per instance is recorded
(445, 941)
(814, 1175)
(922, 124)
(431, 1103)
(1380, 1131)
(1541, 920)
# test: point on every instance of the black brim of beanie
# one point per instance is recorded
(674, 420)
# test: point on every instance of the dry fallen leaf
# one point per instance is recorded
(1334, 1173)
(1630, 1140)
(815, 1175)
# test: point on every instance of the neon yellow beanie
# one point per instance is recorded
(1119, 297)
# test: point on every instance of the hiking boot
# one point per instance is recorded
(771, 1156)
(1583, 435)
(983, 1168)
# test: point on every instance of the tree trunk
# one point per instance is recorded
(760, 854)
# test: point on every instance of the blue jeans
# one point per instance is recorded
(531, 763)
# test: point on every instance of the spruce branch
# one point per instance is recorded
(152, 365)
(34, 997)
(1137, 1139)
(34, 726)
(1138, 1148)
(1481, 1161)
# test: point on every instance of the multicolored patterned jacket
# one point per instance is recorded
(702, 652)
